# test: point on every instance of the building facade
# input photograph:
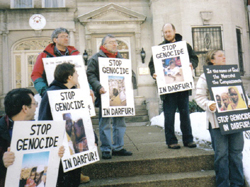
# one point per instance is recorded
(137, 24)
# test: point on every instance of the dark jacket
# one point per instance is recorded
(93, 74)
(38, 74)
(192, 57)
(5, 138)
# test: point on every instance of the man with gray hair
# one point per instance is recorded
(108, 49)
(59, 47)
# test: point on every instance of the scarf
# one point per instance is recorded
(110, 55)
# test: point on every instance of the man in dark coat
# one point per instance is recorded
(108, 49)
(176, 100)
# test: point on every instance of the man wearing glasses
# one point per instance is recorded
(20, 105)
(59, 47)
(108, 49)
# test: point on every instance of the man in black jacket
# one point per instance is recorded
(176, 100)
(108, 49)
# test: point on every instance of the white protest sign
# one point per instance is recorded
(116, 78)
(79, 139)
(36, 145)
(50, 66)
(171, 62)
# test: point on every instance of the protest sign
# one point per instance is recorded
(171, 62)
(35, 145)
(79, 139)
(226, 89)
(116, 78)
(50, 66)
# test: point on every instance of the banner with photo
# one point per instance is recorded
(79, 138)
(226, 89)
(36, 145)
(116, 78)
(171, 62)
(50, 66)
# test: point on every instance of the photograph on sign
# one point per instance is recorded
(34, 169)
(117, 91)
(229, 98)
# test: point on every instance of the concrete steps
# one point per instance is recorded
(153, 164)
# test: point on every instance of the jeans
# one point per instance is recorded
(119, 128)
(228, 158)
(170, 103)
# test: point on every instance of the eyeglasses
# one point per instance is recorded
(36, 103)
(113, 42)
(64, 36)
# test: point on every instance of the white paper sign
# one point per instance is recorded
(79, 139)
(116, 78)
(36, 145)
(50, 66)
(171, 62)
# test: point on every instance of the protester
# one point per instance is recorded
(66, 77)
(228, 148)
(59, 47)
(108, 49)
(20, 105)
(176, 100)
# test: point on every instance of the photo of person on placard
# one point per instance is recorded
(69, 134)
(34, 169)
(81, 143)
(117, 91)
(229, 98)
(172, 69)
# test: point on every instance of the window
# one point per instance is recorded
(22, 4)
(53, 3)
(240, 52)
(204, 40)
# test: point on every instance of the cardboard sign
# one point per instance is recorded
(36, 145)
(79, 139)
(171, 62)
(116, 78)
(226, 89)
(50, 66)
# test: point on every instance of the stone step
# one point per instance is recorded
(152, 163)
(185, 179)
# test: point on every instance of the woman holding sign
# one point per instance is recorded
(228, 148)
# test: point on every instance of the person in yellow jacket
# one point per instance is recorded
(236, 98)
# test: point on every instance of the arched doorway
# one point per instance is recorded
(24, 54)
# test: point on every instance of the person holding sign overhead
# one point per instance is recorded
(20, 105)
(228, 148)
(108, 49)
(179, 100)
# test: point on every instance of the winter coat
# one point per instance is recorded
(203, 99)
(5, 139)
(38, 75)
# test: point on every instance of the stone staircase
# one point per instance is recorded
(152, 163)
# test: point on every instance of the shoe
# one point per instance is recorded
(122, 152)
(106, 155)
(174, 146)
(190, 145)
(84, 179)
